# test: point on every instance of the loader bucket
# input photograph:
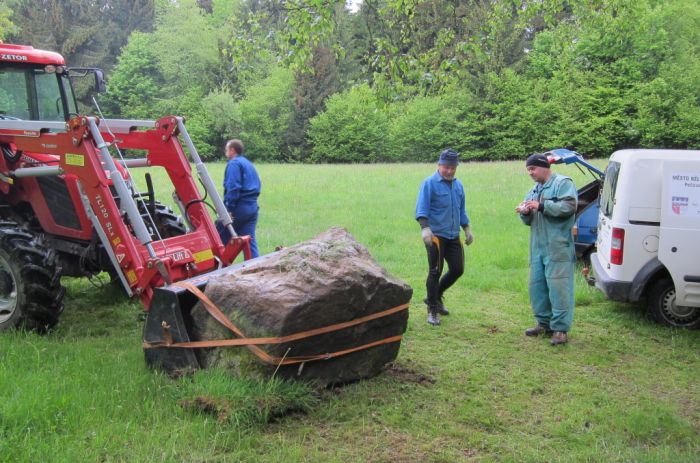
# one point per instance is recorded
(169, 321)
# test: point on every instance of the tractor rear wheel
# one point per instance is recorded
(31, 295)
(167, 223)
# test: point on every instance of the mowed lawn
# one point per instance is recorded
(474, 389)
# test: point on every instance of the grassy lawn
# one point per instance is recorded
(474, 389)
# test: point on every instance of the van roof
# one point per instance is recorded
(639, 154)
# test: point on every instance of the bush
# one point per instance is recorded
(667, 108)
(351, 129)
(136, 82)
(424, 126)
(225, 115)
(519, 117)
(265, 114)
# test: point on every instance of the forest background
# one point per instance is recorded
(388, 80)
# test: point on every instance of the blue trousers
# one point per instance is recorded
(552, 292)
(245, 218)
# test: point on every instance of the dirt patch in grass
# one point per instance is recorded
(493, 330)
(397, 448)
(408, 375)
(400, 447)
(218, 408)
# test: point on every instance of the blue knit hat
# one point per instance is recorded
(537, 160)
(449, 157)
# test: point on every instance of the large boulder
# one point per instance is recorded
(324, 281)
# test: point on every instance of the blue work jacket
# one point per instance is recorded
(550, 233)
(443, 204)
(241, 182)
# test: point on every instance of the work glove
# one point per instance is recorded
(468, 237)
(427, 235)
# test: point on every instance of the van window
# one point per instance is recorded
(607, 198)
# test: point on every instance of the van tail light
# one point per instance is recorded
(617, 246)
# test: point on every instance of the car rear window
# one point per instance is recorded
(607, 197)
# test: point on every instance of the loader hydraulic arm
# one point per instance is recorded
(82, 149)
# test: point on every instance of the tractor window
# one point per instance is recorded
(14, 94)
(70, 98)
(607, 197)
(48, 95)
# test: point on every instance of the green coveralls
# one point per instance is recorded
(552, 252)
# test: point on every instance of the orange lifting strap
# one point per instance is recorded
(251, 343)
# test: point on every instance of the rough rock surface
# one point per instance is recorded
(323, 281)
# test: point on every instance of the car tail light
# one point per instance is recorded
(617, 246)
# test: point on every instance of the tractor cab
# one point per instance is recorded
(35, 84)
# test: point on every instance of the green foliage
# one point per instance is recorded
(177, 29)
(309, 93)
(136, 83)
(265, 114)
(422, 127)
(309, 23)
(494, 80)
(158, 73)
(289, 29)
(225, 113)
(87, 34)
(352, 129)
(7, 27)
(667, 105)
(199, 122)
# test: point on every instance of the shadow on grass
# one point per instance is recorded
(93, 309)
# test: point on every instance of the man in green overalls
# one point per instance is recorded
(549, 209)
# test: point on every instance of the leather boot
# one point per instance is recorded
(559, 337)
(441, 309)
(433, 317)
(538, 330)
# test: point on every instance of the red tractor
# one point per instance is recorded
(69, 204)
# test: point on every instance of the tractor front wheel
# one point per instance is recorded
(31, 296)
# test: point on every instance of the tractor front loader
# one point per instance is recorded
(69, 205)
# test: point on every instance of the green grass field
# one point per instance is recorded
(474, 389)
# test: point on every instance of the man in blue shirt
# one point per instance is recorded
(241, 191)
(441, 212)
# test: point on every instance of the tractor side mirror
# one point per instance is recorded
(100, 84)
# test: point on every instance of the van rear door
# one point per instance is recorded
(680, 228)
(607, 205)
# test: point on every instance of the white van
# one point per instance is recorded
(648, 244)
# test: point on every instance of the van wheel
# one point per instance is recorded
(663, 308)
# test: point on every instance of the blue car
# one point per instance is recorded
(586, 227)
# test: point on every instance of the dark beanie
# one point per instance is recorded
(449, 157)
(537, 160)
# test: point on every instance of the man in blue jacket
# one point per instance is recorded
(441, 212)
(241, 191)
(549, 209)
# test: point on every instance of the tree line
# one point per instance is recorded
(396, 80)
